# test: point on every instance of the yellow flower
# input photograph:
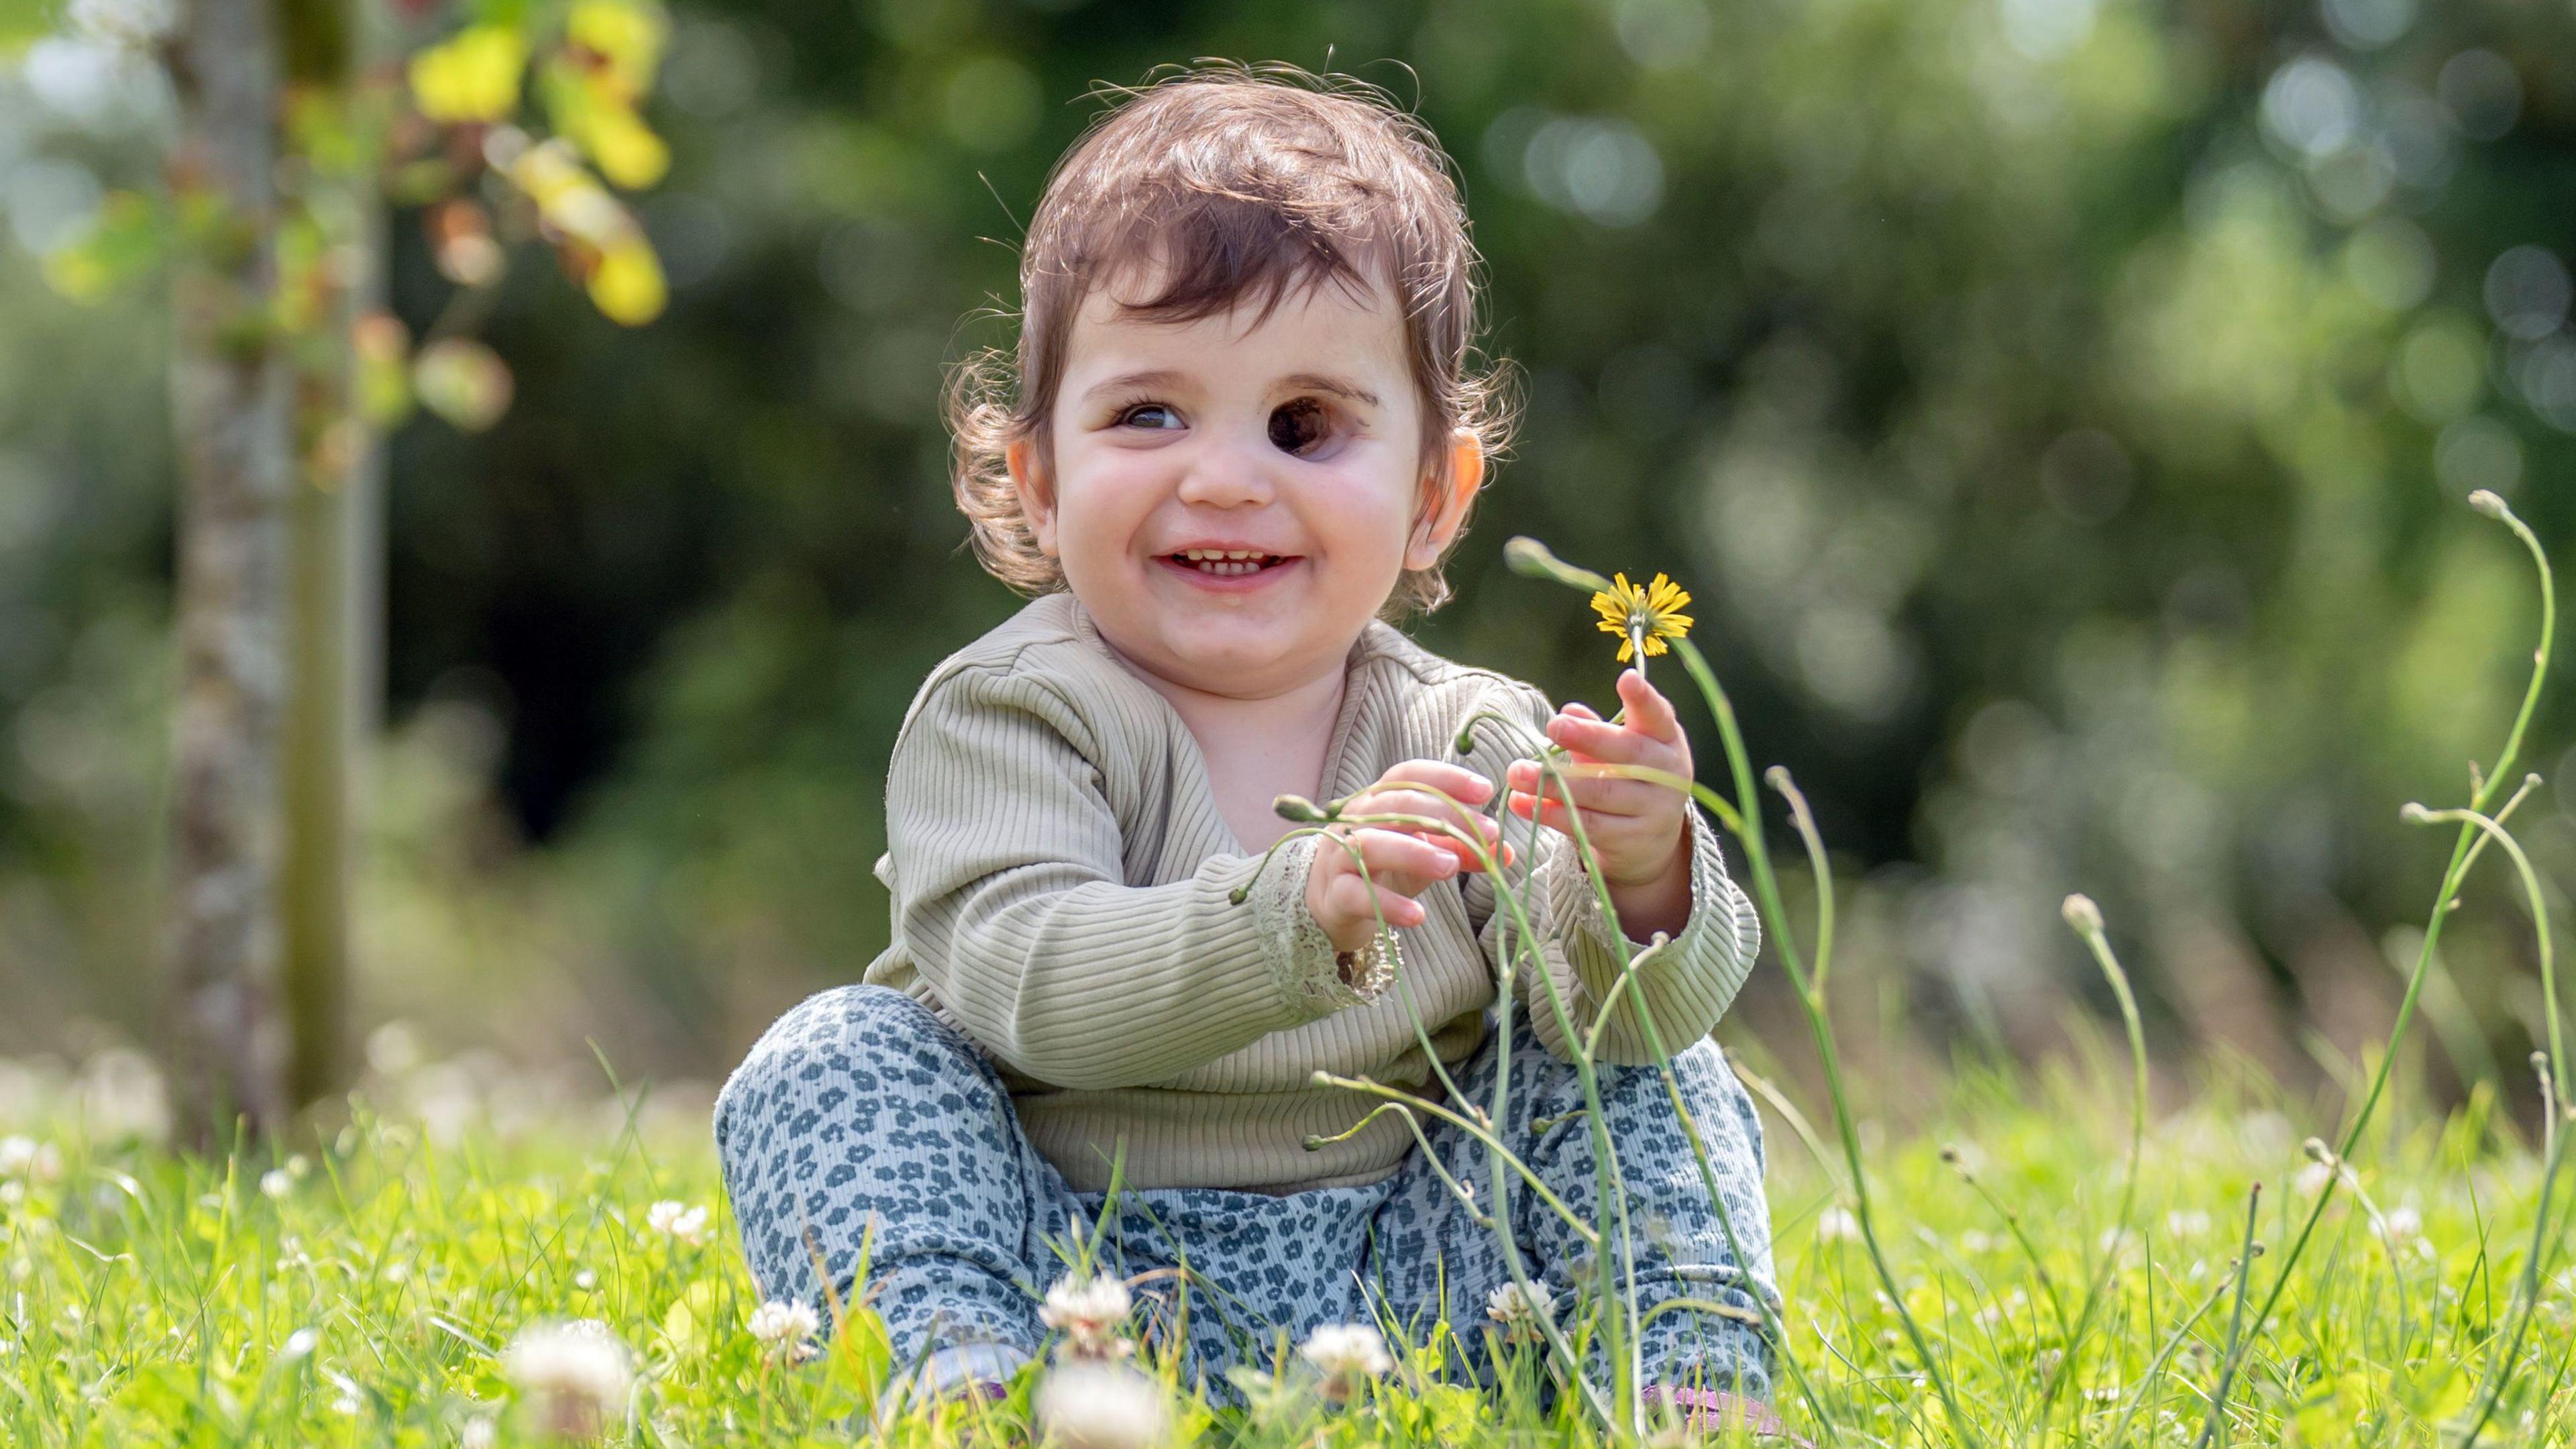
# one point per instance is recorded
(473, 75)
(1643, 617)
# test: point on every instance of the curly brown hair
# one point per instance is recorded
(1239, 184)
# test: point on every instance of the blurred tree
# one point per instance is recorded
(233, 405)
(285, 367)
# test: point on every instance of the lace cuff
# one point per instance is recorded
(1301, 958)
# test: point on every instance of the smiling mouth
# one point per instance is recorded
(1227, 563)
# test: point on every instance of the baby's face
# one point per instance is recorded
(1232, 502)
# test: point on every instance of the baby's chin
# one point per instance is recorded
(1237, 656)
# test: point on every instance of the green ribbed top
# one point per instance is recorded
(1062, 884)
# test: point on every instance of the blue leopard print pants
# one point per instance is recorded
(861, 1104)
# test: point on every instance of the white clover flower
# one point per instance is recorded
(678, 1220)
(2403, 1224)
(1091, 1312)
(297, 1345)
(1092, 1405)
(1837, 1225)
(275, 1185)
(2312, 1179)
(1345, 1353)
(573, 1376)
(786, 1328)
(2193, 1224)
(28, 1158)
(480, 1432)
(1520, 1313)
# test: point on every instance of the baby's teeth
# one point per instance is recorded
(1224, 562)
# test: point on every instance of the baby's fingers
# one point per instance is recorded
(1361, 904)
(1601, 740)
(1456, 781)
(1405, 864)
(1381, 802)
(1550, 812)
(1603, 794)
(1398, 867)
(1649, 713)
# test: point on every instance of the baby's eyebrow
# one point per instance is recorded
(1334, 385)
(1128, 381)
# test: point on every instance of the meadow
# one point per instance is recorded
(2047, 1256)
(366, 1289)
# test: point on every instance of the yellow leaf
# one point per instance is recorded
(626, 149)
(627, 284)
(692, 1317)
(628, 36)
(474, 75)
(77, 274)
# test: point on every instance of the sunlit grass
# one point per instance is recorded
(2043, 1266)
(365, 1293)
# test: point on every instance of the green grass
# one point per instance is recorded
(2038, 1266)
(152, 1298)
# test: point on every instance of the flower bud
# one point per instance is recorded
(1531, 559)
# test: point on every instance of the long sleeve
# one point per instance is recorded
(1686, 985)
(1011, 899)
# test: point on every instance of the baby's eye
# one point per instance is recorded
(1297, 427)
(1149, 415)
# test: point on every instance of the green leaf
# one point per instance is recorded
(24, 22)
(691, 1321)
(126, 240)
(860, 1360)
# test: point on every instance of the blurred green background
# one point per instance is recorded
(2061, 409)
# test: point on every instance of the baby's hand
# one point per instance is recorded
(1638, 828)
(1403, 860)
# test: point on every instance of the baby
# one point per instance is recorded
(1241, 430)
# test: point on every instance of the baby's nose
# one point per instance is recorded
(1227, 478)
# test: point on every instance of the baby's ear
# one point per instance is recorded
(1453, 493)
(1036, 490)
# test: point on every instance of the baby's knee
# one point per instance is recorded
(1717, 1099)
(835, 1050)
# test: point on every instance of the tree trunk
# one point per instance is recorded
(327, 45)
(231, 404)
(320, 744)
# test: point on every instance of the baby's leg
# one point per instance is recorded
(1682, 1249)
(861, 1105)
